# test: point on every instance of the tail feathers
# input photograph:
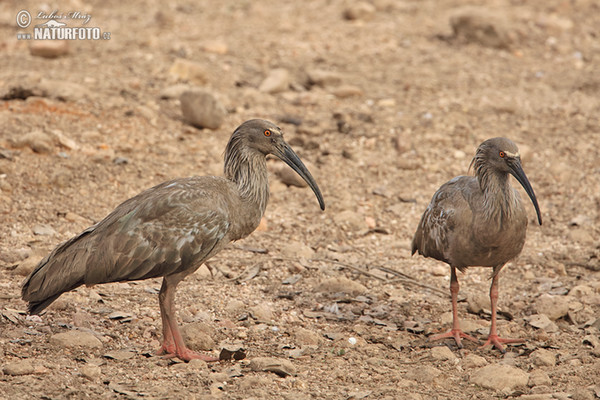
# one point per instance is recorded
(61, 271)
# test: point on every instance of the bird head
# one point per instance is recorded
(501, 156)
(264, 137)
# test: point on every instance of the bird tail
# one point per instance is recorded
(61, 271)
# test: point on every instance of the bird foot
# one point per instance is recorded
(496, 341)
(186, 355)
(456, 334)
(166, 349)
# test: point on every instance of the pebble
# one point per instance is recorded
(26, 266)
(360, 10)
(17, 368)
(350, 220)
(235, 307)
(306, 337)
(49, 48)
(75, 339)
(197, 336)
(500, 377)
(481, 26)
(442, 353)
(294, 249)
(323, 78)
(345, 91)
(63, 90)
(539, 378)
(91, 372)
(38, 141)
(423, 374)
(341, 285)
(43, 230)
(190, 71)
(554, 307)
(262, 312)
(202, 109)
(175, 91)
(278, 80)
(473, 361)
(543, 358)
(541, 321)
(215, 47)
(277, 365)
(477, 303)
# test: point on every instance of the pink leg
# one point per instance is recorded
(455, 332)
(173, 345)
(493, 338)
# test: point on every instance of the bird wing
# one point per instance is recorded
(167, 229)
(437, 225)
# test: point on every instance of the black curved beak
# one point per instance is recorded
(516, 170)
(287, 155)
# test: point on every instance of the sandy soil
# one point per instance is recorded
(403, 107)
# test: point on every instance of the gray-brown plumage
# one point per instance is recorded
(170, 230)
(478, 221)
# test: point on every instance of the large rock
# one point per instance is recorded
(554, 307)
(500, 377)
(198, 336)
(202, 109)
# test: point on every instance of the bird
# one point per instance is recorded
(478, 221)
(170, 230)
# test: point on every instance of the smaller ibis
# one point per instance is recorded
(478, 221)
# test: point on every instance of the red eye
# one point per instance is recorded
(502, 155)
(267, 133)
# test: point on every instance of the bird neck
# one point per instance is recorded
(500, 200)
(248, 170)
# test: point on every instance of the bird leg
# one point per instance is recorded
(455, 332)
(493, 338)
(173, 345)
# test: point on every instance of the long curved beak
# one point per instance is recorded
(287, 155)
(516, 170)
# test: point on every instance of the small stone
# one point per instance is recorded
(279, 366)
(341, 285)
(306, 337)
(27, 266)
(439, 270)
(324, 78)
(554, 307)
(17, 368)
(215, 46)
(175, 91)
(198, 336)
(500, 377)
(477, 303)
(581, 292)
(345, 91)
(423, 374)
(202, 109)
(293, 249)
(543, 358)
(350, 220)
(278, 80)
(43, 230)
(49, 48)
(91, 372)
(75, 339)
(262, 312)
(481, 26)
(38, 141)
(474, 361)
(189, 71)
(119, 355)
(541, 321)
(539, 378)
(442, 353)
(360, 10)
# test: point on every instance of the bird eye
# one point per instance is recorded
(267, 133)
(502, 155)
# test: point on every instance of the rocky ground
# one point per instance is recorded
(385, 101)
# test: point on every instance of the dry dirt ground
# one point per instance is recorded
(384, 108)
